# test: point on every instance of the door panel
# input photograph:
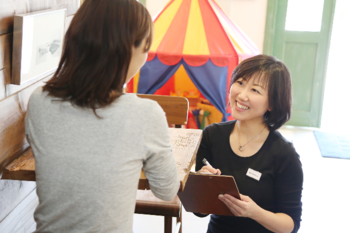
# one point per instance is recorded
(302, 71)
(305, 53)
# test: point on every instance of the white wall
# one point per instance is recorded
(154, 6)
(249, 15)
(335, 114)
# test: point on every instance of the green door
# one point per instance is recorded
(298, 32)
(143, 2)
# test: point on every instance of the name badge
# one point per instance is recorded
(254, 174)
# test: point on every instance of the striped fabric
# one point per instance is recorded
(200, 28)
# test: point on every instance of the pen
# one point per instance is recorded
(208, 164)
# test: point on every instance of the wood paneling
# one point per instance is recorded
(8, 8)
(5, 62)
(12, 192)
(5, 50)
(12, 131)
(70, 5)
(5, 76)
(2, 85)
(16, 217)
(11, 127)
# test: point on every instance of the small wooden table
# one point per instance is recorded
(185, 143)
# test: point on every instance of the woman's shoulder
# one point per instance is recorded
(281, 147)
(277, 137)
(286, 158)
(37, 96)
(217, 130)
(38, 92)
(227, 125)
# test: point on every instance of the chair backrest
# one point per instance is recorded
(175, 108)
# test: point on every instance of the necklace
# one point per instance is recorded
(241, 148)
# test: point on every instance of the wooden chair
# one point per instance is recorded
(176, 109)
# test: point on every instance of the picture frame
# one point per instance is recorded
(37, 44)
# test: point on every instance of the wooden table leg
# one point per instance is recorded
(168, 224)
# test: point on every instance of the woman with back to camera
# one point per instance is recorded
(265, 166)
(89, 139)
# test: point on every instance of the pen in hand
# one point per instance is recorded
(208, 164)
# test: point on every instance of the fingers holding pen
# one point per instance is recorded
(210, 169)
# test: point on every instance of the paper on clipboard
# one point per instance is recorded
(202, 190)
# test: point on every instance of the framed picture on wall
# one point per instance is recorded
(37, 44)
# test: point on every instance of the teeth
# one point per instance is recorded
(242, 107)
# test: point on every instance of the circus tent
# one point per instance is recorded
(194, 42)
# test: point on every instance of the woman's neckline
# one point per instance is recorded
(251, 156)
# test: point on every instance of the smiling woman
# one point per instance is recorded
(265, 166)
(268, 79)
(248, 96)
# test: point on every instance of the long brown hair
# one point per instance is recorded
(275, 75)
(97, 52)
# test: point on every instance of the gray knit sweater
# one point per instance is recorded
(87, 169)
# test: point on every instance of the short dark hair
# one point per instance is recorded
(276, 77)
(97, 51)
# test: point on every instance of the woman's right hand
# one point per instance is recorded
(209, 169)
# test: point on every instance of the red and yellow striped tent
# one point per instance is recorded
(195, 48)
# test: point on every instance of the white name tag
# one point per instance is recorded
(254, 174)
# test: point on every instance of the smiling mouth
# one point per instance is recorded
(242, 106)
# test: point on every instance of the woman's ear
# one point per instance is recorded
(270, 108)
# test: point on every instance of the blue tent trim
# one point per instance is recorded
(211, 80)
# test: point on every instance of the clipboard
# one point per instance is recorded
(202, 190)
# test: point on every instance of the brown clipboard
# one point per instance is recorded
(202, 190)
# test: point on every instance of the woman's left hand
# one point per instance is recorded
(245, 207)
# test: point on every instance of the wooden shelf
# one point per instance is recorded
(22, 168)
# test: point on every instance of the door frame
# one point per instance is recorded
(271, 12)
(270, 40)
